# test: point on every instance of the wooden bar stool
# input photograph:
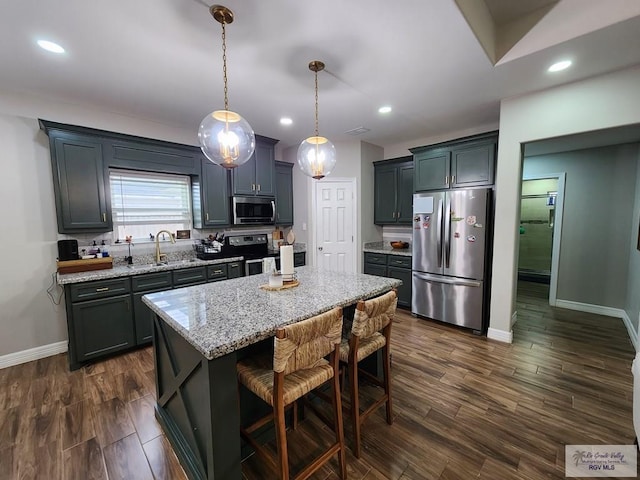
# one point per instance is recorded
(298, 367)
(371, 317)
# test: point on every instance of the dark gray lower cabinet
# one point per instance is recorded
(299, 259)
(393, 266)
(107, 316)
(102, 327)
(143, 317)
(235, 269)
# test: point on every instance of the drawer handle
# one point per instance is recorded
(103, 289)
(196, 277)
(217, 272)
(104, 217)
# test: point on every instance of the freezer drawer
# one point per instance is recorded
(448, 299)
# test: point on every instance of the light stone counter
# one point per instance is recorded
(222, 317)
(127, 271)
(385, 248)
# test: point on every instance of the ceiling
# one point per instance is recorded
(162, 60)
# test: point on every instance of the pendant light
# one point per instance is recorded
(225, 137)
(316, 155)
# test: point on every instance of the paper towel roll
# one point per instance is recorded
(286, 259)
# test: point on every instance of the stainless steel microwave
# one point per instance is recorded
(253, 210)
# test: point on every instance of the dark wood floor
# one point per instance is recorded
(465, 407)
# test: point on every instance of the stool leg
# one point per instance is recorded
(387, 381)
(338, 428)
(355, 406)
(281, 439)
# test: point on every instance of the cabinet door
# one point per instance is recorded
(79, 184)
(143, 317)
(235, 270)
(404, 290)
(373, 269)
(299, 259)
(284, 193)
(103, 326)
(473, 165)
(265, 170)
(217, 272)
(215, 197)
(384, 202)
(431, 170)
(404, 194)
(244, 177)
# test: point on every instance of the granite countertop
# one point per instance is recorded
(385, 247)
(129, 270)
(219, 318)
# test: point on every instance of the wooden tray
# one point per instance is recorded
(74, 266)
(284, 286)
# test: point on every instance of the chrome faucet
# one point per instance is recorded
(160, 256)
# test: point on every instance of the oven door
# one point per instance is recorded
(253, 267)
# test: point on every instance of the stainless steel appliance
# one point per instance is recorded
(450, 244)
(252, 247)
(253, 210)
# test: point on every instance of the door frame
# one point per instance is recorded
(314, 215)
(557, 230)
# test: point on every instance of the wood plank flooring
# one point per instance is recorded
(464, 407)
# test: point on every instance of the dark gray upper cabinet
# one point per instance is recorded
(467, 162)
(393, 191)
(284, 193)
(214, 196)
(82, 199)
(257, 175)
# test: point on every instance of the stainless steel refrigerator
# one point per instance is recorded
(450, 243)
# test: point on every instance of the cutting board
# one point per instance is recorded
(74, 266)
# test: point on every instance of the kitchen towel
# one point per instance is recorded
(268, 264)
(286, 259)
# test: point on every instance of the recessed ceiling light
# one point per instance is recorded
(50, 46)
(556, 67)
(385, 109)
(286, 121)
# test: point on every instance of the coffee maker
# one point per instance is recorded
(67, 250)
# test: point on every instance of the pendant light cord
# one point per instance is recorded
(224, 66)
(316, 103)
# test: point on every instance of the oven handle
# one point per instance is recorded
(257, 260)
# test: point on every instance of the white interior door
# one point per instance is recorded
(335, 223)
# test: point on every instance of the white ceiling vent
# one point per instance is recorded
(357, 131)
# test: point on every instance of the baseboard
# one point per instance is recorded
(500, 335)
(607, 311)
(31, 354)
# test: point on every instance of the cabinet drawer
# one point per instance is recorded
(399, 261)
(217, 272)
(373, 269)
(235, 269)
(151, 281)
(189, 276)
(375, 258)
(99, 289)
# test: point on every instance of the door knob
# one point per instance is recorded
(320, 248)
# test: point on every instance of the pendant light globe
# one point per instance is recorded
(316, 157)
(225, 137)
(316, 154)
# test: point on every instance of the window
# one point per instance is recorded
(144, 203)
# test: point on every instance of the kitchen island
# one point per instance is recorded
(200, 332)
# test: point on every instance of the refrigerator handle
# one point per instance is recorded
(447, 234)
(439, 233)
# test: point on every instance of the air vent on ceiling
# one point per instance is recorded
(357, 131)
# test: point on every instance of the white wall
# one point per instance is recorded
(632, 307)
(597, 218)
(602, 102)
(28, 319)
